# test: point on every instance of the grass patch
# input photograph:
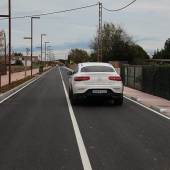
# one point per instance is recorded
(15, 69)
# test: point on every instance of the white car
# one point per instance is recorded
(95, 80)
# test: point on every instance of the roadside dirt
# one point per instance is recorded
(15, 84)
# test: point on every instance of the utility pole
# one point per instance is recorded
(5, 53)
(9, 4)
(100, 34)
(41, 45)
(9, 16)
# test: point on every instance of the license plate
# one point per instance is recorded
(99, 91)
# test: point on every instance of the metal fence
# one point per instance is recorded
(144, 78)
(156, 82)
(131, 76)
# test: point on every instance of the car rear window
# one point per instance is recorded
(97, 69)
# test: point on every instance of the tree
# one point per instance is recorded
(27, 51)
(163, 53)
(158, 54)
(138, 55)
(78, 55)
(93, 57)
(18, 62)
(2, 41)
(167, 49)
(117, 44)
(17, 54)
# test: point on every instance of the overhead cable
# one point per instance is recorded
(51, 13)
(120, 8)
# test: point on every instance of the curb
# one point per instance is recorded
(138, 100)
(158, 109)
(10, 92)
(15, 89)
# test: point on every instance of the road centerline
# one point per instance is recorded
(81, 146)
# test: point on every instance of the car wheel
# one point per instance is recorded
(72, 97)
(69, 93)
(119, 101)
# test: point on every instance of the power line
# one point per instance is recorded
(51, 13)
(57, 12)
(120, 8)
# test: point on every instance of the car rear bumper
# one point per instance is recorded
(88, 94)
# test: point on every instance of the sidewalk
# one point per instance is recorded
(17, 76)
(156, 103)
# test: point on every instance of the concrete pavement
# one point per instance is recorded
(156, 103)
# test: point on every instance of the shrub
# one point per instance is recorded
(18, 63)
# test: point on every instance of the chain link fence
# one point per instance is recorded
(131, 76)
(152, 80)
(156, 81)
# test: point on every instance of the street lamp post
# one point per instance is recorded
(9, 52)
(39, 58)
(65, 59)
(48, 47)
(41, 44)
(31, 38)
(48, 52)
(45, 52)
(5, 52)
(9, 41)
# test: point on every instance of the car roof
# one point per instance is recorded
(94, 64)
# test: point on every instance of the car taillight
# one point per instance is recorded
(115, 78)
(81, 78)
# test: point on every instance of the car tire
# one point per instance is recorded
(119, 101)
(72, 97)
(69, 93)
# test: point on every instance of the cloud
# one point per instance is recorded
(63, 46)
(73, 45)
(146, 21)
(144, 39)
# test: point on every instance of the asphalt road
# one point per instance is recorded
(39, 130)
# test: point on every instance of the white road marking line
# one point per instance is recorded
(23, 87)
(18, 90)
(148, 108)
(142, 104)
(81, 146)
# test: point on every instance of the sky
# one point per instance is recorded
(146, 21)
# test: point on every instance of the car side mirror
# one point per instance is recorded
(70, 73)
